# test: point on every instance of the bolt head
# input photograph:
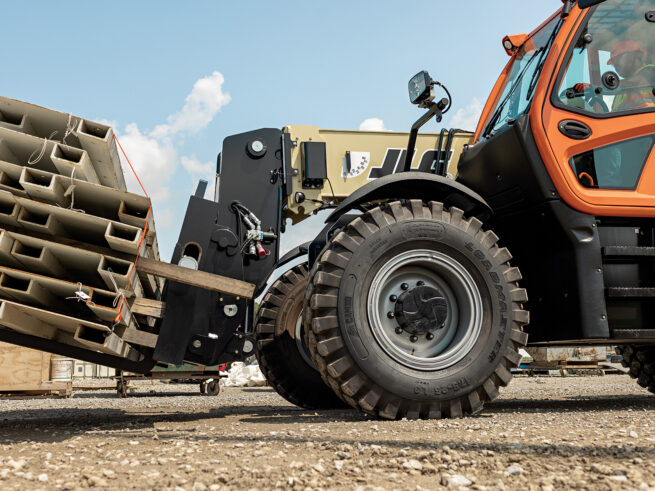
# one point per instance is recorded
(404, 286)
(196, 343)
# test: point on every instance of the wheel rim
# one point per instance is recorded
(462, 324)
(300, 342)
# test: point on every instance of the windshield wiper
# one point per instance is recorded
(499, 109)
(542, 60)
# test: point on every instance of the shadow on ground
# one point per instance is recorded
(53, 425)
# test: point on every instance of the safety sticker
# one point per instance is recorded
(355, 163)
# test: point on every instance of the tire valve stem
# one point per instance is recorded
(429, 336)
(413, 338)
(391, 315)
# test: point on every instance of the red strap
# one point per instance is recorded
(145, 230)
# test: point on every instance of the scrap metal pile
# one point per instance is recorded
(70, 234)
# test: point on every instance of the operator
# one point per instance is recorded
(629, 59)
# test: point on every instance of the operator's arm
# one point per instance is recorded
(574, 96)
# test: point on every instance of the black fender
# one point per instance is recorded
(294, 253)
(417, 185)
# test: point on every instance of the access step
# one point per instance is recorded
(628, 252)
(630, 292)
(633, 334)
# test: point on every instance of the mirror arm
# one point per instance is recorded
(433, 108)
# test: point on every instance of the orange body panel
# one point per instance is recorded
(557, 149)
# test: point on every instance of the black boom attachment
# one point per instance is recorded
(237, 237)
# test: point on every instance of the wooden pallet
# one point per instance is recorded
(45, 389)
(566, 368)
(26, 372)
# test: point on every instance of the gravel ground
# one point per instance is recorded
(542, 433)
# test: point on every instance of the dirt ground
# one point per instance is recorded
(542, 433)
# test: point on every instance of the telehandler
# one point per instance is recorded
(408, 303)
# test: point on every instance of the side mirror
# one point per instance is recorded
(585, 4)
(420, 88)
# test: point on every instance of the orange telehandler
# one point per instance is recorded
(409, 302)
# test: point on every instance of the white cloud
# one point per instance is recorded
(154, 155)
(194, 166)
(372, 124)
(201, 105)
(467, 118)
(156, 158)
(154, 162)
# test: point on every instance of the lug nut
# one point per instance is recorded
(399, 330)
(393, 298)
(391, 315)
(420, 283)
(404, 286)
(413, 338)
(429, 336)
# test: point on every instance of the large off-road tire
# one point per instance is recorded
(369, 359)
(281, 350)
(640, 360)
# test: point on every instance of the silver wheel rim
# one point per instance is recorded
(300, 342)
(462, 325)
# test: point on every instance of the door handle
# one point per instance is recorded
(574, 129)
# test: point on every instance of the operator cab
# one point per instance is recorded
(562, 154)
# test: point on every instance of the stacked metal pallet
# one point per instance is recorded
(70, 233)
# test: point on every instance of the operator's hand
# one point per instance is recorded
(581, 87)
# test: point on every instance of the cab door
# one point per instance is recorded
(598, 119)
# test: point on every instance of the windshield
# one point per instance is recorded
(523, 77)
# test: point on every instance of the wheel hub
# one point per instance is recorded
(425, 309)
(421, 310)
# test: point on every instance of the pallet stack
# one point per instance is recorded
(70, 232)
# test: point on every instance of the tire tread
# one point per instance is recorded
(324, 339)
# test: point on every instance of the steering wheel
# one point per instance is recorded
(590, 96)
(593, 99)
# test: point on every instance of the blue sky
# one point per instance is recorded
(175, 78)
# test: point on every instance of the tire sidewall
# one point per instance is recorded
(483, 358)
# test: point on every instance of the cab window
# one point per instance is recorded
(523, 76)
(615, 166)
(611, 69)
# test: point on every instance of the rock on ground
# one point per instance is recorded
(541, 434)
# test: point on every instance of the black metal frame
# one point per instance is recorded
(434, 109)
(220, 327)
